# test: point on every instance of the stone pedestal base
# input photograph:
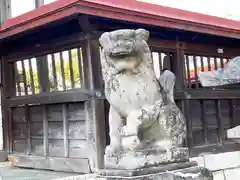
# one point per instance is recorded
(192, 173)
(146, 158)
(148, 170)
(3, 156)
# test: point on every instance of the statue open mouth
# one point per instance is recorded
(119, 54)
(127, 71)
(122, 54)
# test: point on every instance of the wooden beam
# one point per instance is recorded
(84, 23)
(193, 48)
(78, 95)
(209, 94)
(87, 26)
(78, 165)
(45, 48)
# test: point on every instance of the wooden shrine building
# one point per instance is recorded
(53, 105)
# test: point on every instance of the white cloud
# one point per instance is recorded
(48, 1)
(222, 8)
(22, 6)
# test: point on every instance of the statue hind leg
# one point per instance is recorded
(115, 128)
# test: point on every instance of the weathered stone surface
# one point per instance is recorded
(145, 158)
(3, 156)
(147, 170)
(234, 133)
(143, 114)
(200, 160)
(194, 173)
(221, 161)
(232, 174)
(230, 74)
(218, 175)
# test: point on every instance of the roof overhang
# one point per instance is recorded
(131, 10)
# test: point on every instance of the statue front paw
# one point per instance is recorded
(164, 144)
(133, 122)
(129, 131)
(134, 117)
(112, 150)
(130, 142)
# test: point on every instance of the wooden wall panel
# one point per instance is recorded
(20, 146)
(78, 148)
(76, 111)
(35, 114)
(37, 129)
(77, 130)
(70, 143)
(55, 130)
(56, 148)
(19, 130)
(18, 114)
(37, 147)
(54, 112)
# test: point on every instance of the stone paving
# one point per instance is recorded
(7, 172)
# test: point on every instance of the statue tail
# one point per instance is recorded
(167, 82)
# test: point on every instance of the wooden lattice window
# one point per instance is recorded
(194, 63)
(161, 61)
(59, 71)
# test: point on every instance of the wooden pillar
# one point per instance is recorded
(43, 77)
(39, 3)
(42, 63)
(5, 13)
(178, 65)
(179, 70)
(94, 108)
(5, 10)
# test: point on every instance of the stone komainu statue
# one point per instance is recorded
(142, 110)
